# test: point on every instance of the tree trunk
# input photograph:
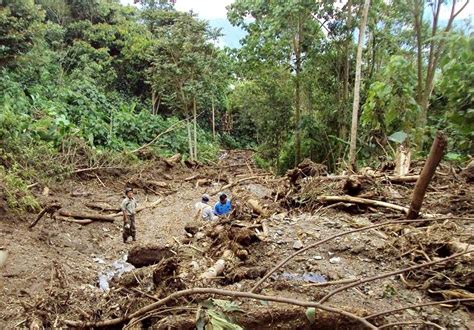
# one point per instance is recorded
(348, 42)
(153, 102)
(213, 120)
(436, 47)
(297, 47)
(418, 6)
(436, 153)
(195, 127)
(190, 139)
(355, 104)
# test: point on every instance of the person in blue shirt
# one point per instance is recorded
(223, 206)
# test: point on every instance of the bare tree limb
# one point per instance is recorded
(391, 311)
(385, 275)
(358, 200)
(220, 292)
(51, 209)
(411, 322)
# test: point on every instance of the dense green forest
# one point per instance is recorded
(90, 82)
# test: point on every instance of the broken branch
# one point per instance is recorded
(51, 209)
(410, 322)
(169, 129)
(220, 292)
(436, 153)
(358, 200)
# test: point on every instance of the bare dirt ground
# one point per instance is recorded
(52, 271)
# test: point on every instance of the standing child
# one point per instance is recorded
(129, 205)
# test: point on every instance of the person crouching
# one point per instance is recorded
(223, 206)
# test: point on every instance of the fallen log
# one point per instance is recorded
(50, 209)
(384, 178)
(436, 153)
(358, 200)
(139, 208)
(81, 222)
(90, 216)
(102, 206)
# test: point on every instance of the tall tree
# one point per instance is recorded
(355, 105)
(181, 62)
(435, 46)
(282, 32)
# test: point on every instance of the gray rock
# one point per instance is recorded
(297, 245)
(335, 260)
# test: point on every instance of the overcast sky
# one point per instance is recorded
(215, 11)
(210, 9)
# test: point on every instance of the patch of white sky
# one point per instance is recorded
(217, 9)
(206, 9)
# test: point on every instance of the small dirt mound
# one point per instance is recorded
(141, 256)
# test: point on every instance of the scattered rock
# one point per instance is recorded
(297, 245)
(335, 260)
(318, 258)
(3, 257)
(200, 235)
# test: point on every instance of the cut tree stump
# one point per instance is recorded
(436, 153)
(146, 255)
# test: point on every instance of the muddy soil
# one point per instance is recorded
(51, 272)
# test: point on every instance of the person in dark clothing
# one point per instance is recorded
(129, 206)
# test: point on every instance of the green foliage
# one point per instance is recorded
(17, 25)
(311, 314)
(74, 92)
(213, 317)
(390, 105)
(16, 191)
(456, 92)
